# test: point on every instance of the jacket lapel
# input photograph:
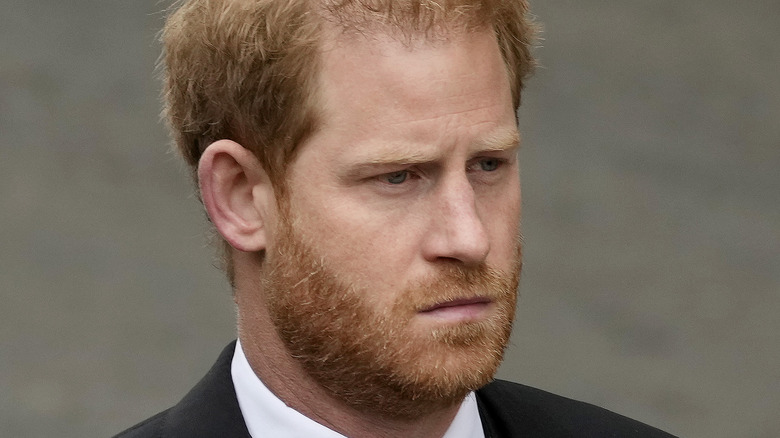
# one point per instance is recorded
(210, 408)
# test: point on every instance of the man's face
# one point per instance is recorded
(392, 272)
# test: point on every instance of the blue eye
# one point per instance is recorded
(489, 164)
(397, 177)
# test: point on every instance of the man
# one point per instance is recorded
(359, 159)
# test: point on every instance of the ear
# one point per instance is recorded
(237, 194)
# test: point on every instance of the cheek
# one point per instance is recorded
(368, 247)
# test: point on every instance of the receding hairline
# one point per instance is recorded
(348, 29)
(407, 18)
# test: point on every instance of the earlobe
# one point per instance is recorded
(237, 194)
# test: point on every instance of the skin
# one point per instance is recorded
(414, 168)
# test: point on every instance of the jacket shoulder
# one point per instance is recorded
(210, 409)
(510, 409)
(150, 427)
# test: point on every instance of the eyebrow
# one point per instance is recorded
(500, 140)
(406, 154)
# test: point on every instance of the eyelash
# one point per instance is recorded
(499, 162)
(405, 174)
(393, 175)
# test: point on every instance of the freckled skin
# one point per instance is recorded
(440, 98)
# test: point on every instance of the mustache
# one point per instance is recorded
(454, 283)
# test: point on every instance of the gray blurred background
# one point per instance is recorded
(651, 215)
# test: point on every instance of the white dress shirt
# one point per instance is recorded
(266, 415)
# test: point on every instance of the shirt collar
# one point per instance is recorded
(267, 415)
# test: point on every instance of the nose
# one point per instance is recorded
(456, 231)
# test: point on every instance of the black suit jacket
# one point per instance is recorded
(507, 410)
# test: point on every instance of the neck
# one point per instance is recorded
(287, 379)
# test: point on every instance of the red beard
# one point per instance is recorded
(379, 360)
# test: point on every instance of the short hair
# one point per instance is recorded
(246, 70)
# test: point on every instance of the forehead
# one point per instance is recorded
(384, 78)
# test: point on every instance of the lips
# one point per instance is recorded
(456, 303)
